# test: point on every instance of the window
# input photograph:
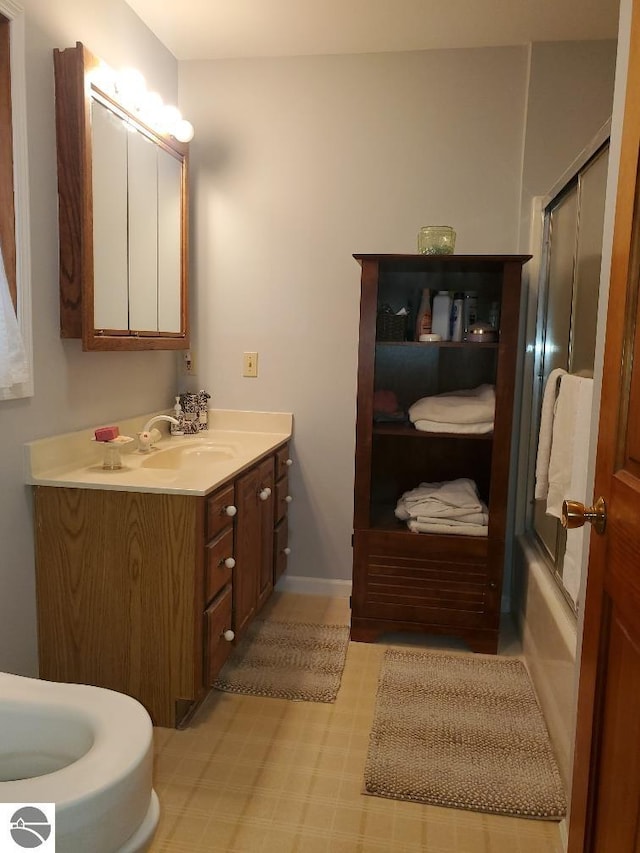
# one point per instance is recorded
(14, 191)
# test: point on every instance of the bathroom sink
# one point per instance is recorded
(175, 458)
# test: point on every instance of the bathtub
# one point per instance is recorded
(549, 642)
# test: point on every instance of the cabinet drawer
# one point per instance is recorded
(281, 505)
(217, 503)
(280, 549)
(217, 574)
(282, 457)
(217, 621)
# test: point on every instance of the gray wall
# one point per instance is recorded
(300, 162)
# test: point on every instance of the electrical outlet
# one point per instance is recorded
(188, 363)
(250, 364)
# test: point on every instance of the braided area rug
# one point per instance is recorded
(462, 731)
(287, 660)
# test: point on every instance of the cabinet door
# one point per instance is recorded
(109, 190)
(280, 549)
(169, 243)
(142, 186)
(248, 549)
(265, 578)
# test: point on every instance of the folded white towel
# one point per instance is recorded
(468, 406)
(447, 529)
(455, 520)
(460, 494)
(452, 507)
(463, 429)
(549, 400)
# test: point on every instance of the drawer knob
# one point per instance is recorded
(229, 635)
(492, 585)
(264, 494)
(230, 510)
(230, 562)
(289, 463)
(286, 551)
(288, 499)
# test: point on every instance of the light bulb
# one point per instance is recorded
(131, 88)
(103, 77)
(151, 109)
(183, 131)
(170, 118)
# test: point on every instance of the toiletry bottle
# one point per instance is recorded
(470, 310)
(457, 318)
(494, 315)
(423, 323)
(441, 316)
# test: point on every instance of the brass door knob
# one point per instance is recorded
(574, 514)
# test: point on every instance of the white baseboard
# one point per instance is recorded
(564, 833)
(314, 586)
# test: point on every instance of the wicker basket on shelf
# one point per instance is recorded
(390, 326)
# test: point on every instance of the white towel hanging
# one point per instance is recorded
(549, 399)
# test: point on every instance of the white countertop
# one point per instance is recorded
(74, 460)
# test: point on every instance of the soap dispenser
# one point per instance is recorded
(179, 416)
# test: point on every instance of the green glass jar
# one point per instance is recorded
(436, 240)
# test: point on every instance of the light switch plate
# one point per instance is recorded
(188, 363)
(250, 364)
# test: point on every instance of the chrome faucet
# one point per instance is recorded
(148, 437)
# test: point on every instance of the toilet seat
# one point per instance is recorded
(102, 744)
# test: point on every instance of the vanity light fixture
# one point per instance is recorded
(128, 88)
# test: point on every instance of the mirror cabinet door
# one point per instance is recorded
(143, 234)
(110, 266)
(123, 224)
(169, 241)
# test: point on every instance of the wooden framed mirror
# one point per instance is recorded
(122, 199)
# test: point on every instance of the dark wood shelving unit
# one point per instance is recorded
(431, 583)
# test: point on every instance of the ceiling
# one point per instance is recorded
(215, 29)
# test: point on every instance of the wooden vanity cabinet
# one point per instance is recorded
(432, 583)
(135, 591)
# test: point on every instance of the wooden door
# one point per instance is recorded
(605, 805)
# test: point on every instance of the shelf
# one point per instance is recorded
(383, 519)
(404, 430)
(438, 344)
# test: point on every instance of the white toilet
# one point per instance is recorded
(86, 749)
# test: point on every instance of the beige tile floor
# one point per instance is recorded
(255, 775)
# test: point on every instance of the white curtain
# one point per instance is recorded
(14, 367)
